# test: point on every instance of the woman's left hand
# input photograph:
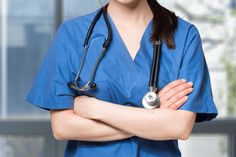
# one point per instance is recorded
(84, 105)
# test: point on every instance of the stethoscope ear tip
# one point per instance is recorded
(93, 85)
(70, 84)
(86, 87)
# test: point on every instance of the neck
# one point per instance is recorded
(136, 12)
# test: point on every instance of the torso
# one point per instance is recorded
(122, 81)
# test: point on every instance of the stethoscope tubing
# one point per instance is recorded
(157, 64)
(153, 79)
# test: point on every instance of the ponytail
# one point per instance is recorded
(164, 24)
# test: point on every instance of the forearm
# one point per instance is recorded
(156, 124)
(73, 127)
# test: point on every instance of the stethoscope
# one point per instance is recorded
(151, 99)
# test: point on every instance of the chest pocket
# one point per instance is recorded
(101, 91)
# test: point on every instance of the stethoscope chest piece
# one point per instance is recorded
(151, 100)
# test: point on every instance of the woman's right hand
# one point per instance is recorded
(174, 95)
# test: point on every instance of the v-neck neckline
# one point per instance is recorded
(122, 41)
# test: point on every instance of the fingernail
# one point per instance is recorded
(183, 80)
(190, 83)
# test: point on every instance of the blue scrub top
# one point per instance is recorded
(121, 80)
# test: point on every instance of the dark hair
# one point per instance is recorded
(164, 23)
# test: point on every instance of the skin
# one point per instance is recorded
(79, 123)
(73, 124)
(134, 25)
(153, 123)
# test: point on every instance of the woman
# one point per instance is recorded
(111, 121)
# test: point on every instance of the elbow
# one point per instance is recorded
(184, 135)
(186, 124)
(185, 131)
(57, 136)
(58, 125)
(58, 133)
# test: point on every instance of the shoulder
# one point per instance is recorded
(81, 20)
(186, 34)
(71, 33)
(186, 29)
(77, 27)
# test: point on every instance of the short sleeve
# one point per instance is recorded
(49, 89)
(194, 68)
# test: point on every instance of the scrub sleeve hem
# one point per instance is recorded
(202, 115)
(65, 102)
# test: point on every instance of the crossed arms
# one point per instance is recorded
(92, 119)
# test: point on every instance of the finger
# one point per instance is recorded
(178, 96)
(177, 89)
(171, 85)
(179, 103)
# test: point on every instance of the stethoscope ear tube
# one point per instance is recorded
(107, 42)
(90, 84)
(91, 27)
